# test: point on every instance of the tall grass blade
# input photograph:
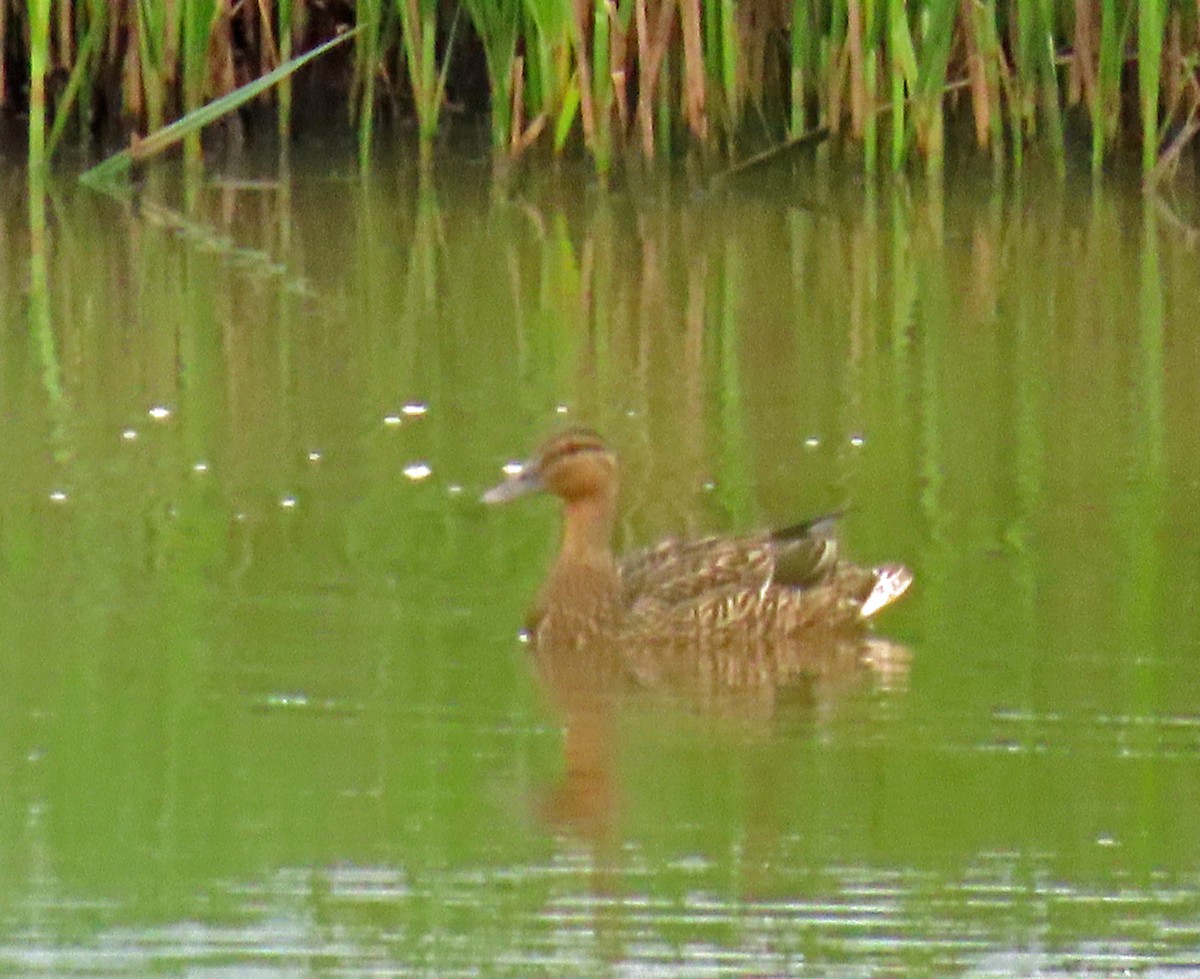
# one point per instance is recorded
(109, 172)
(419, 30)
(369, 19)
(285, 26)
(1051, 95)
(152, 30)
(935, 58)
(991, 55)
(583, 68)
(904, 76)
(602, 96)
(3, 61)
(199, 17)
(496, 22)
(547, 36)
(870, 92)
(567, 114)
(801, 53)
(665, 107)
(1151, 23)
(79, 77)
(728, 56)
(39, 61)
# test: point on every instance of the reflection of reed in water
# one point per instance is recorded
(729, 624)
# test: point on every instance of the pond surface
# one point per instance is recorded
(263, 707)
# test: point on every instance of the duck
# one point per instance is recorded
(734, 610)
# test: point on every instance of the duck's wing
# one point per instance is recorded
(844, 597)
(735, 638)
(678, 572)
(806, 553)
(687, 571)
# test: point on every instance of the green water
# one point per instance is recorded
(263, 708)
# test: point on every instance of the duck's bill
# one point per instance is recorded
(518, 484)
(891, 581)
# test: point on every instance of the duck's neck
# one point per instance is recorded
(580, 592)
(587, 529)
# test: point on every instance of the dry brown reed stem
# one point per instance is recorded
(976, 74)
(3, 60)
(858, 96)
(695, 100)
(1085, 56)
(618, 54)
(132, 95)
(650, 64)
(268, 58)
(221, 71)
(580, 22)
(1168, 160)
(837, 84)
(66, 39)
(531, 134)
(645, 117)
(522, 136)
(518, 104)
(1174, 58)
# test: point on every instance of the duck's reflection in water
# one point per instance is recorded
(587, 682)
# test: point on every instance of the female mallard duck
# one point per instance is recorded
(761, 590)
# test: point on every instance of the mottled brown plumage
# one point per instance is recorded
(738, 610)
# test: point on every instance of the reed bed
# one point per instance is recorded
(637, 80)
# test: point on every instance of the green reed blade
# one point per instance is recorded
(729, 64)
(798, 50)
(931, 80)
(495, 22)
(427, 120)
(547, 37)
(602, 87)
(1024, 75)
(870, 85)
(419, 29)
(1151, 25)
(107, 173)
(285, 54)
(198, 19)
(712, 41)
(1108, 82)
(903, 74)
(39, 60)
(78, 78)
(152, 30)
(444, 71)
(664, 121)
(566, 115)
(369, 20)
(527, 43)
(1051, 96)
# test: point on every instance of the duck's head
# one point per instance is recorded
(574, 465)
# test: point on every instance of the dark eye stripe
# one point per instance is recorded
(570, 445)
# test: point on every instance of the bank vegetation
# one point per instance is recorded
(893, 83)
